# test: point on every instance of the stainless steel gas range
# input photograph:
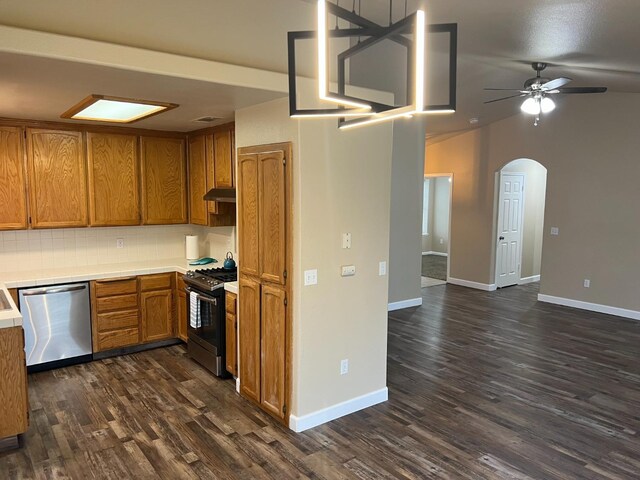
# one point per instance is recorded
(206, 314)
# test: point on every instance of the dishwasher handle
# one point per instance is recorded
(48, 291)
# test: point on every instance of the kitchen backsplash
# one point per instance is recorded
(72, 247)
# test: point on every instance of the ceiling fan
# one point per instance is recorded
(538, 91)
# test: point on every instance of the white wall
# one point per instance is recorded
(341, 183)
(440, 215)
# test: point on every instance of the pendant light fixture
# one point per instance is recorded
(411, 32)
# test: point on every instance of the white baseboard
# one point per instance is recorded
(305, 422)
(532, 279)
(593, 307)
(440, 254)
(412, 302)
(466, 283)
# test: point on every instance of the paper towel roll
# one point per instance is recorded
(192, 247)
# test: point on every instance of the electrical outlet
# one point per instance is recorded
(346, 240)
(120, 243)
(587, 283)
(441, 241)
(310, 277)
(344, 366)
(555, 231)
(382, 269)
(348, 270)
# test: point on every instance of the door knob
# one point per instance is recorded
(501, 238)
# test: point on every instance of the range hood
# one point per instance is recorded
(221, 195)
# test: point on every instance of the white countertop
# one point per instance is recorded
(231, 287)
(32, 278)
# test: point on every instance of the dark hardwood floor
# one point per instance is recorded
(481, 385)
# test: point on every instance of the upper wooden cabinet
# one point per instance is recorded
(164, 182)
(211, 165)
(13, 192)
(223, 159)
(113, 179)
(57, 179)
(198, 184)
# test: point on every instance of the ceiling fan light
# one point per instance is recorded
(531, 106)
(547, 105)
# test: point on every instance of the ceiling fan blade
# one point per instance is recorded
(557, 83)
(504, 89)
(506, 98)
(582, 90)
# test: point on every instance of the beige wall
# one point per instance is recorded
(335, 191)
(533, 215)
(440, 213)
(589, 146)
(406, 210)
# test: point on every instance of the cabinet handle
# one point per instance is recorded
(120, 279)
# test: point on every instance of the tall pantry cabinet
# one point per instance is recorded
(264, 222)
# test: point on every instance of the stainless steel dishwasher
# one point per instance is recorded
(57, 325)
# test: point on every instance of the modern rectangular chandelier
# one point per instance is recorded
(410, 32)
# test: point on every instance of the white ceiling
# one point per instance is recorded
(593, 41)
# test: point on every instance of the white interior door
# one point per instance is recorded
(510, 208)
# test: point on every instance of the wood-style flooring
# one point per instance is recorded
(481, 385)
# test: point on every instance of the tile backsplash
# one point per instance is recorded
(72, 247)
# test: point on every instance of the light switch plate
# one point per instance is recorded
(382, 269)
(346, 240)
(344, 366)
(348, 270)
(310, 277)
(587, 283)
(555, 231)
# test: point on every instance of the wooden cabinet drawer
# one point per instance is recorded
(118, 338)
(116, 320)
(121, 302)
(116, 286)
(161, 281)
(230, 302)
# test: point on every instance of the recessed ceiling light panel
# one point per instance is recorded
(101, 108)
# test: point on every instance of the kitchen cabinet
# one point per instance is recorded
(231, 334)
(264, 193)
(211, 165)
(156, 306)
(112, 162)
(13, 191)
(181, 307)
(114, 313)
(57, 178)
(14, 400)
(198, 209)
(164, 182)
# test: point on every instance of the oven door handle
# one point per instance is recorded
(213, 301)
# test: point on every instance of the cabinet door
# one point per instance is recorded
(231, 360)
(157, 314)
(57, 179)
(14, 403)
(113, 179)
(182, 315)
(164, 182)
(13, 191)
(249, 332)
(197, 180)
(223, 159)
(248, 214)
(274, 347)
(272, 217)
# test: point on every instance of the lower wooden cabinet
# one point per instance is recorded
(133, 310)
(14, 400)
(231, 334)
(249, 331)
(181, 309)
(156, 310)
